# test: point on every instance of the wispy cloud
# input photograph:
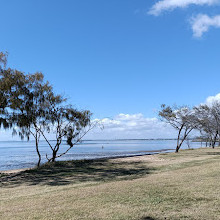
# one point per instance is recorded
(165, 5)
(202, 22)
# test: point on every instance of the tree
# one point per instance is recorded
(208, 120)
(67, 123)
(180, 118)
(3, 59)
(37, 111)
(25, 97)
(4, 114)
(29, 102)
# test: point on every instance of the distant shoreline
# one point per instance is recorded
(142, 139)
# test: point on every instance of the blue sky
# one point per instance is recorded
(118, 56)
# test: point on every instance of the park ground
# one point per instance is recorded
(163, 186)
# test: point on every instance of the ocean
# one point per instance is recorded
(22, 154)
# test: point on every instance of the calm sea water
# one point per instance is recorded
(22, 154)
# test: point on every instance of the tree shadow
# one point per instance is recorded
(147, 218)
(69, 172)
(212, 153)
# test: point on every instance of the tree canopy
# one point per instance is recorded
(29, 103)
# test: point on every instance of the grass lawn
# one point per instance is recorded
(165, 186)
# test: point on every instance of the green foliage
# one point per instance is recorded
(181, 118)
(28, 102)
(3, 58)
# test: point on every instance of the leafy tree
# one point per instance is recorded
(4, 114)
(180, 118)
(25, 97)
(67, 123)
(29, 102)
(3, 59)
(208, 120)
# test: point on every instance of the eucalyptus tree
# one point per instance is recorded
(5, 121)
(66, 124)
(208, 120)
(25, 95)
(29, 102)
(215, 111)
(24, 102)
(43, 113)
(37, 111)
(3, 59)
(180, 118)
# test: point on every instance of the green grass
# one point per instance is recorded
(166, 186)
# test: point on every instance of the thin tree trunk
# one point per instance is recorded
(54, 156)
(186, 133)
(177, 149)
(37, 138)
(38, 152)
(178, 139)
(214, 141)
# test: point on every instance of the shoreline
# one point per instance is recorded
(146, 153)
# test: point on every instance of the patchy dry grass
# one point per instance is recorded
(165, 186)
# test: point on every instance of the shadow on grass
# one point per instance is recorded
(213, 153)
(208, 151)
(69, 172)
(147, 218)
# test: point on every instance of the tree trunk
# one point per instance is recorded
(177, 149)
(38, 152)
(214, 141)
(186, 133)
(54, 156)
(179, 146)
(178, 139)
